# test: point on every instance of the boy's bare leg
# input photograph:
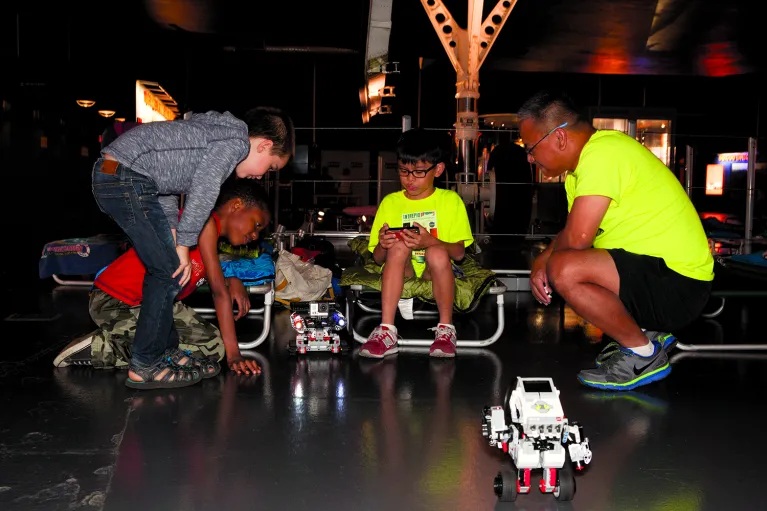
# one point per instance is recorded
(397, 267)
(439, 270)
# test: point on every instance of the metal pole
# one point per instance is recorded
(632, 129)
(750, 188)
(314, 101)
(688, 159)
(407, 123)
(599, 94)
(420, 70)
(276, 221)
(380, 178)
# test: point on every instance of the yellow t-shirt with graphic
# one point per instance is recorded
(443, 213)
(650, 213)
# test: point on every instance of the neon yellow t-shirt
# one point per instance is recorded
(650, 213)
(442, 212)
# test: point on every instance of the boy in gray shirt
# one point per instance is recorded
(137, 182)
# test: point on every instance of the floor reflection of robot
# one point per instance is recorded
(531, 427)
(317, 325)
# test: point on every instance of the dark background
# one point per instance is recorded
(706, 63)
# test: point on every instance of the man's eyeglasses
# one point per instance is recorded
(416, 172)
(563, 125)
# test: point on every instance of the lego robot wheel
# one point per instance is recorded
(507, 402)
(566, 479)
(350, 313)
(505, 483)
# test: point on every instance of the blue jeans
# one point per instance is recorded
(131, 200)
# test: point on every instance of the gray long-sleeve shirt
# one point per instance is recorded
(192, 157)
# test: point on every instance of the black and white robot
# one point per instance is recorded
(532, 428)
(317, 325)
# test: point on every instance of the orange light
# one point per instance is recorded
(722, 217)
(609, 61)
(714, 179)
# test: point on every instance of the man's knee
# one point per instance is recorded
(574, 267)
(437, 258)
(560, 271)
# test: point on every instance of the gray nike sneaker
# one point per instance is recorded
(625, 370)
(668, 341)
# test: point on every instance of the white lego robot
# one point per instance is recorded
(316, 324)
(532, 428)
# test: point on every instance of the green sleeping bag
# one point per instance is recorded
(468, 288)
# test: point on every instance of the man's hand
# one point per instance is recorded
(185, 268)
(241, 365)
(539, 281)
(418, 240)
(239, 295)
(387, 239)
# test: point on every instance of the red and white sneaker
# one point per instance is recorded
(444, 341)
(381, 342)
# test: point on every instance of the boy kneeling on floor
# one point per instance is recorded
(436, 233)
(241, 213)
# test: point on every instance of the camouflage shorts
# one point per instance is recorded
(117, 325)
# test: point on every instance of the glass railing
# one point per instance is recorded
(335, 186)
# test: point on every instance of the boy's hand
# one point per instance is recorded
(239, 295)
(418, 240)
(241, 365)
(387, 239)
(185, 268)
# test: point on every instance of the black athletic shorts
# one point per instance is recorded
(657, 297)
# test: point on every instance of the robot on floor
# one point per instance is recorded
(532, 428)
(317, 325)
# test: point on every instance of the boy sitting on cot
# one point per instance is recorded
(433, 233)
(241, 213)
(137, 182)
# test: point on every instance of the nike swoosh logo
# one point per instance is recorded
(639, 370)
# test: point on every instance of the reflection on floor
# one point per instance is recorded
(330, 432)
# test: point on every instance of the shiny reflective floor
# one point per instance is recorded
(346, 433)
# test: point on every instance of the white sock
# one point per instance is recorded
(390, 327)
(644, 351)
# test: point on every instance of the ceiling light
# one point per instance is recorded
(106, 113)
(86, 103)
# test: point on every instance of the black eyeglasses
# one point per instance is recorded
(416, 172)
(563, 125)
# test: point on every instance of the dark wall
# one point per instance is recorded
(51, 59)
